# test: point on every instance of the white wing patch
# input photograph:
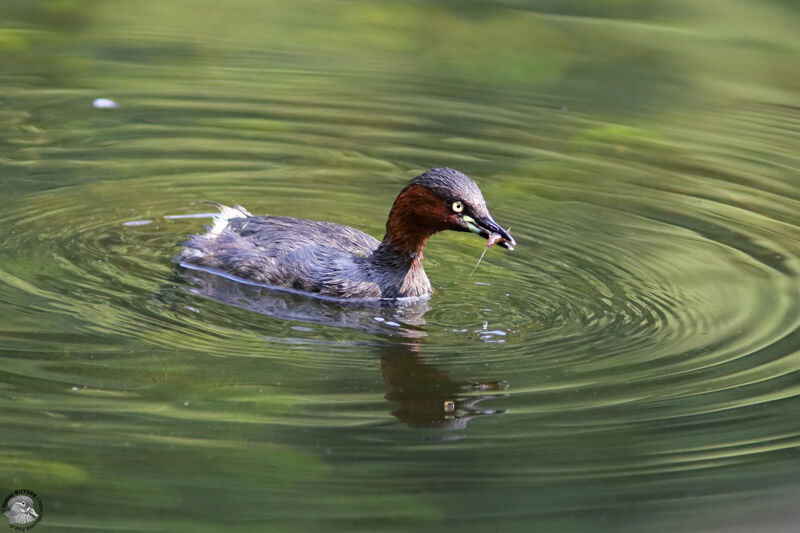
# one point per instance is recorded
(225, 215)
(220, 222)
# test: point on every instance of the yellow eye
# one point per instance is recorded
(457, 206)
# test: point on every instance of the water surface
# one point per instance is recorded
(632, 366)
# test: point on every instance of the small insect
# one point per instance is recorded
(493, 239)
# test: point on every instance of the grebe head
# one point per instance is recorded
(440, 199)
(462, 203)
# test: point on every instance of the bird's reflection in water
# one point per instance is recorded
(429, 397)
(424, 395)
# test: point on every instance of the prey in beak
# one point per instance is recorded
(490, 230)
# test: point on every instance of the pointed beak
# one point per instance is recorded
(486, 226)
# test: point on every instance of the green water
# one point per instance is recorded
(632, 366)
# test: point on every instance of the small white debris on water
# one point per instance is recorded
(393, 324)
(488, 335)
(104, 103)
(137, 222)
(379, 319)
(193, 215)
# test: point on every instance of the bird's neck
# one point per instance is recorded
(399, 274)
(397, 262)
(415, 215)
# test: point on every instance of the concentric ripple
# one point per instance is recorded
(609, 291)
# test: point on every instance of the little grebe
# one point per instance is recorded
(339, 261)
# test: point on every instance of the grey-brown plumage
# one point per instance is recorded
(339, 261)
